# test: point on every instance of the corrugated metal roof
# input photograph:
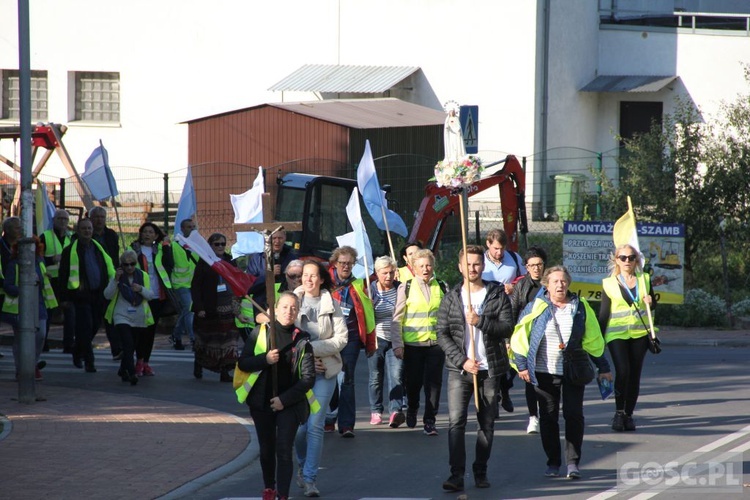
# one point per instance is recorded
(628, 83)
(367, 113)
(343, 78)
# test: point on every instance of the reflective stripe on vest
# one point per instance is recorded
(74, 280)
(260, 348)
(54, 249)
(624, 322)
(420, 318)
(246, 309)
(160, 269)
(10, 305)
(146, 308)
(184, 266)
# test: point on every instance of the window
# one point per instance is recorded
(11, 108)
(97, 97)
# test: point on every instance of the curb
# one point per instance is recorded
(707, 343)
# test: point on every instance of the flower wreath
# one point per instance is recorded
(458, 174)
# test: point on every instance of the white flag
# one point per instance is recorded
(361, 241)
(248, 208)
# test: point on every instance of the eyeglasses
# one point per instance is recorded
(219, 244)
(294, 276)
(628, 258)
(344, 263)
(128, 264)
(535, 265)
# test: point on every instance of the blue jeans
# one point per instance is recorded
(309, 440)
(347, 409)
(460, 398)
(382, 358)
(184, 322)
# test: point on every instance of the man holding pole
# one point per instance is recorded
(473, 322)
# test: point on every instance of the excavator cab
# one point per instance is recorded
(319, 202)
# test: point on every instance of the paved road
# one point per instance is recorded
(692, 396)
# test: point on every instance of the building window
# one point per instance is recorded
(11, 109)
(97, 97)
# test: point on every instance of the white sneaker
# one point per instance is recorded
(311, 490)
(533, 427)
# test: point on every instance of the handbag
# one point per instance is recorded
(654, 344)
(577, 369)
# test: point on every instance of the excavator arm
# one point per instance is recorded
(439, 203)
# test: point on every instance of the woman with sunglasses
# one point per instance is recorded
(215, 310)
(129, 293)
(154, 257)
(622, 315)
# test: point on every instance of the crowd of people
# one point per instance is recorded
(509, 316)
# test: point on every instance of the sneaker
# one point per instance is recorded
(430, 430)
(453, 483)
(347, 432)
(269, 494)
(148, 371)
(573, 472)
(311, 490)
(618, 421)
(300, 479)
(629, 423)
(397, 418)
(411, 420)
(139, 368)
(375, 419)
(533, 427)
(552, 471)
(329, 427)
(38, 374)
(480, 480)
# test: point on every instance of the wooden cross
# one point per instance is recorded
(268, 229)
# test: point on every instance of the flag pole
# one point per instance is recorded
(472, 346)
(387, 231)
(367, 268)
(110, 184)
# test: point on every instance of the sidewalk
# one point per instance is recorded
(88, 444)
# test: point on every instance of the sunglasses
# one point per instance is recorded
(628, 258)
(218, 244)
(344, 263)
(294, 276)
(128, 264)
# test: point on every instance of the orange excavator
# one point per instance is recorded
(318, 202)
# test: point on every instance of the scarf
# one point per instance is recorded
(126, 290)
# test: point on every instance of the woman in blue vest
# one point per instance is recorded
(10, 305)
(627, 292)
(155, 258)
(128, 292)
(278, 411)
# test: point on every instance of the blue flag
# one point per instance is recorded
(374, 197)
(187, 206)
(97, 175)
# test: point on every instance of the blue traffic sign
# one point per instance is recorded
(469, 118)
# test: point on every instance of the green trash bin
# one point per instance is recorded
(569, 196)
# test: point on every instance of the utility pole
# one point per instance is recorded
(28, 307)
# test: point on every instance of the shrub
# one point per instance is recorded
(700, 309)
(741, 308)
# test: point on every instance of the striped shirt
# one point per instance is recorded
(549, 358)
(384, 303)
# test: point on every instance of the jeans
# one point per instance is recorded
(423, 367)
(460, 398)
(548, 394)
(347, 409)
(276, 432)
(382, 358)
(627, 356)
(309, 440)
(184, 322)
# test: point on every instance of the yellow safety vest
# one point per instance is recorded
(261, 348)
(420, 318)
(405, 274)
(247, 310)
(53, 248)
(184, 266)
(147, 309)
(368, 309)
(10, 305)
(624, 322)
(74, 280)
(160, 269)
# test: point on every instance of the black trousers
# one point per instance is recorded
(627, 356)
(89, 315)
(126, 335)
(276, 431)
(423, 367)
(549, 391)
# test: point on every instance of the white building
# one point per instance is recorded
(130, 73)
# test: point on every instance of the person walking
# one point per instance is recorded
(556, 321)
(110, 242)
(182, 274)
(406, 271)
(321, 317)
(414, 325)
(129, 293)
(55, 240)
(471, 329)
(525, 291)
(278, 410)
(356, 306)
(627, 293)
(388, 356)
